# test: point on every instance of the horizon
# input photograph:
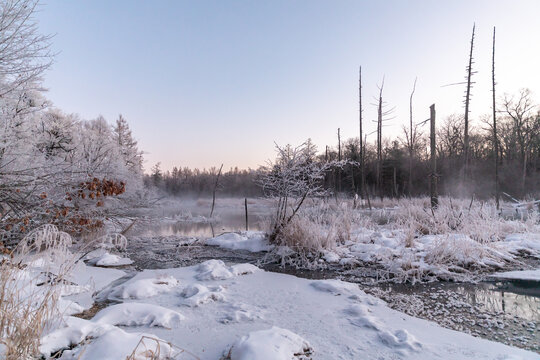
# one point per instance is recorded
(196, 79)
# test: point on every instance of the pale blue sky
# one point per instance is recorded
(209, 82)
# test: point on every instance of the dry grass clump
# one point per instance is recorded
(462, 253)
(319, 227)
(477, 219)
(28, 296)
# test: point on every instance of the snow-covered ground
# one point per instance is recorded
(528, 275)
(214, 310)
(447, 256)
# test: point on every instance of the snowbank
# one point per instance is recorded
(271, 344)
(245, 316)
(133, 314)
(144, 288)
(528, 275)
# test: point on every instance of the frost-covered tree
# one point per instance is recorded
(127, 145)
(293, 177)
(24, 52)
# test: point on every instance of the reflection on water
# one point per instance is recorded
(511, 298)
(504, 311)
(203, 229)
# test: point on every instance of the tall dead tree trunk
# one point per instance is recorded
(467, 102)
(412, 139)
(366, 190)
(379, 140)
(495, 138)
(361, 138)
(434, 194)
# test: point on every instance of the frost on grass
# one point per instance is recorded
(408, 243)
(272, 344)
(33, 278)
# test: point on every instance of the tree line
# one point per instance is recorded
(55, 168)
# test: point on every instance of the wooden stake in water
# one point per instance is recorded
(214, 192)
(245, 206)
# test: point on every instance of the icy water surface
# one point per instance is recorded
(203, 228)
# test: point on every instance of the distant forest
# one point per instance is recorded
(518, 123)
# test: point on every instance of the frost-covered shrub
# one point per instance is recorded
(296, 176)
(31, 279)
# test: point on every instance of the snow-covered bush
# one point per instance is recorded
(295, 176)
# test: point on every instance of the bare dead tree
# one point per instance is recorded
(467, 102)
(361, 138)
(383, 114)
(379, 136)
(495, 138)
(412, 135)
(526, 126)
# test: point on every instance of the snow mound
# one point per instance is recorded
(399, 339)
(137, 314)
(144, 288)
(74, 332)
(271, 344)
(213, 270)
(250, 241)
(198, 294)
(217, 270)
(336, 287)
(331, 257)
(108, 259)
(117, 344)
(244, 269)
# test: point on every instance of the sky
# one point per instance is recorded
(203, 82)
